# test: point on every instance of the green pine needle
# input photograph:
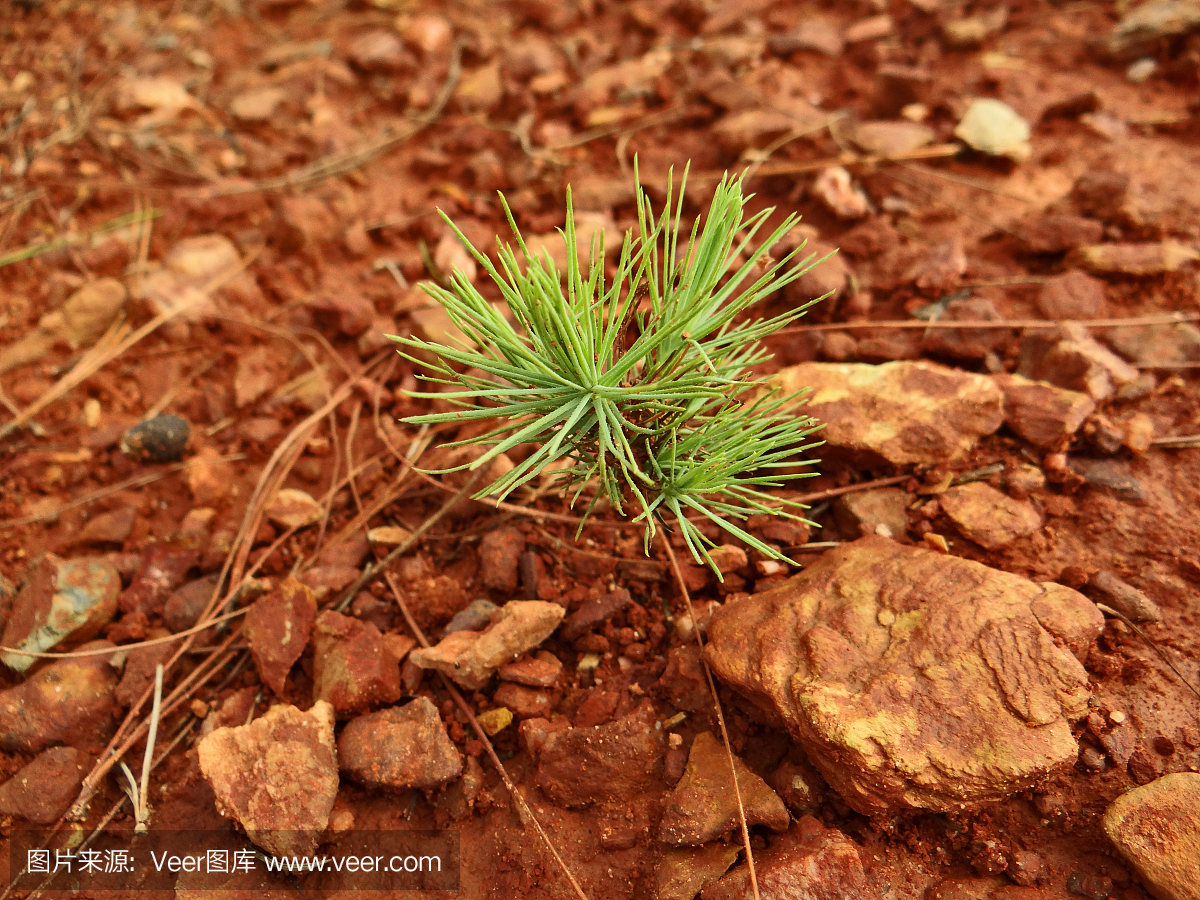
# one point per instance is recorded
(644, 384)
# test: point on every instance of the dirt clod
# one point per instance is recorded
(67, 702)
(353, 668)
(277, 777)
(43, 790)
(399, 747)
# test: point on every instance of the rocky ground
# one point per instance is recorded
(982, 682)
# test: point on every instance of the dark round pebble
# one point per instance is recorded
(476, 617)
(161, 439)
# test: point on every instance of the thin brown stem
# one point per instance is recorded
(400, 549)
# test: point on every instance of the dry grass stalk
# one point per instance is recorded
(115, 752)
(126, 648)
(1131, 322)
(273, 475)
(116, 342)
(712, 687)
(1109, 611)
(139, 215)
(104, 822)
(462, 704)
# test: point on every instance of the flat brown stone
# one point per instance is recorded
(1043, 413)
(703, 805)
(900, 412)
(988, 517)
(278, 626)
(399, 747)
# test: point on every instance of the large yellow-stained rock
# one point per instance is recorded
(913, 679)
(1157, 828)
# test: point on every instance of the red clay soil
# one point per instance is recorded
(317, 140)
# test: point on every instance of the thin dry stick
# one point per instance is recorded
(938, 197)
(290, 335)
(528, 511)
(139, 793)
(326, 502)
(136, 481)
(102, 349)
(761, 158)
(560, 544)
(143, 257)
(125, 648)
(491, 751)
(1153, 646)
(848, 489)
(612, 523)
(270, 551)
(935, 151)
(1179, 441)
(660, 117)
(967, 181)
(327, 508)
(76, 237)
(371, 511)
(7, 402)
(712, 687)
(1134, 322)
(351, 434)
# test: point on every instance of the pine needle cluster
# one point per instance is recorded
(641, 384)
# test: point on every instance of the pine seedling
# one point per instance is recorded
(642, 385)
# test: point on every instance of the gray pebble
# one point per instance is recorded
(161, 439)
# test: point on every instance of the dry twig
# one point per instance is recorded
(366, 152)
(136, 481)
